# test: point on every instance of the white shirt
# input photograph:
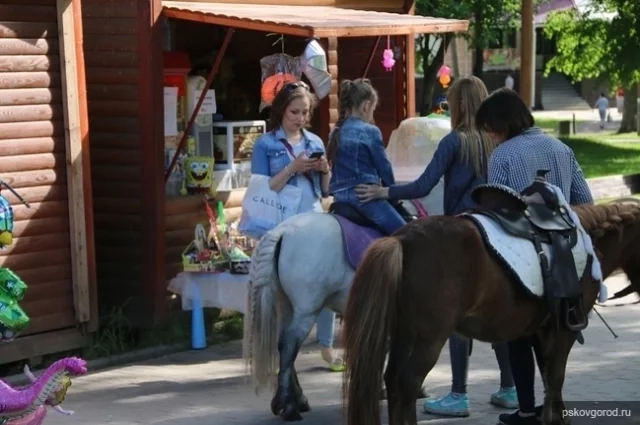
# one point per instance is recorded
(508, 82)
(602, 103)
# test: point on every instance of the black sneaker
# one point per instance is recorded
(515, 418)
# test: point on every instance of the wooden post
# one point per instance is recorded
(410, 65)
(526, 51)
(75, 160)
(332, 66)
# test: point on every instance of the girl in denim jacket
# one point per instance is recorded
(357, 155)
(284, 155)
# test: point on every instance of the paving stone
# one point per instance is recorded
(208, 387)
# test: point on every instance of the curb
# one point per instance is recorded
(106, 362)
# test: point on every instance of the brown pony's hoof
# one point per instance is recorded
(291, 413)
(276, 405)
(303, 405)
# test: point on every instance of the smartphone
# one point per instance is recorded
(315, 155)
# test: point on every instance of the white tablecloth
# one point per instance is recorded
(220, 290)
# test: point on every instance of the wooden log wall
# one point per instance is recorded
(32, 160)
(353, 55)
(114, 81)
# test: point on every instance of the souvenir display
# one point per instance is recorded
(221, 249)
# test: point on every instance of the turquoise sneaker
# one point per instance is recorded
(506, 397)
(453, 404)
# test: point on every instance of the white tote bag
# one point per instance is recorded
(263, 209)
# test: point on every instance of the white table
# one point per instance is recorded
(220, 290)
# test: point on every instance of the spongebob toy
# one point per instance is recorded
(198, 175)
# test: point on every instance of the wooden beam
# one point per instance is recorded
(436, 25)
(94, 321)
(42, 344)
(526, 51)
(152, 196)
(332, 66)
(410, 65)
(74, 138)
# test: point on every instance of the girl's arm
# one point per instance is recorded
(442, 159)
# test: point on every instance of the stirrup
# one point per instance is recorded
(580, 324)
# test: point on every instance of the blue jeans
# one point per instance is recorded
(326, 325)
(379, 212)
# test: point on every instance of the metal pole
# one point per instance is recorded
(196, 109)
(533, 65)
(371, 55)
(638, 113)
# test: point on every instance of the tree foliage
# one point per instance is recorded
(600, 43)
(487, 18)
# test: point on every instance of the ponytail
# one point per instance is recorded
(343, 106)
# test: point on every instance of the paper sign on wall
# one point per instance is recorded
(170, 111)
(209, 104)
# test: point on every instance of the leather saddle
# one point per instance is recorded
(537, 215)
(352, 214)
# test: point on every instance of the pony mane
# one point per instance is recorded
(600, 219)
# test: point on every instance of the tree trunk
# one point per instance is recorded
(629, 122)
(429, 79)
(478, 51)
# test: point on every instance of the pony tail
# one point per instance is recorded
(343, 106)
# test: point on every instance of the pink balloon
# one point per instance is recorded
(444, 70)
(35, 418)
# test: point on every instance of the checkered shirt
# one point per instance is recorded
(515, 162)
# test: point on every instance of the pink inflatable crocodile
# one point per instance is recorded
(26, 406)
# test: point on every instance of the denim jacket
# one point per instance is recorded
(459, 178)
(270, 155)
(360, 158)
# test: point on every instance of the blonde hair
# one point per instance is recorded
(352, 95)
(464, 98)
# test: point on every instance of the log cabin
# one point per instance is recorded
(44, 155)
(140, 232)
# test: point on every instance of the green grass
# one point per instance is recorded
(550, 125)
(599, 159)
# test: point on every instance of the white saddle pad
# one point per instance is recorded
(520, 255)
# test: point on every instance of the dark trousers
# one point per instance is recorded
(459, 351)
(524, 370)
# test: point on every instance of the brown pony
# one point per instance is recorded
(434, 277)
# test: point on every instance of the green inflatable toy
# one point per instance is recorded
(13, 319)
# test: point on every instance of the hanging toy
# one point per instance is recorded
(444, 76)
(388, 61)
(314, 62)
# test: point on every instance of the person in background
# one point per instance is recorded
(461, 157)
(358, 156)
(290, 154)
(602, 105)
(521, 151)
(508, 82)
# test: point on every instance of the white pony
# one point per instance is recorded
(300, 267)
